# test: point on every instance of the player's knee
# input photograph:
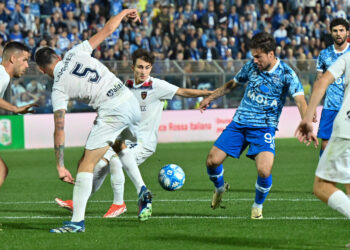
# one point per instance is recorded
(264, 172)
(212, 161)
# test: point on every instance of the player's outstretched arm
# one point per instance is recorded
(112, 25)
(59, 138)
(17, 110)
(304, 131)
(301, 104)
(193, 92)
(226, 88)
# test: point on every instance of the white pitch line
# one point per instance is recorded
(180, 217)
(155, 200)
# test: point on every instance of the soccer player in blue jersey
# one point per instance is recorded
(269, 80)
(339, 28)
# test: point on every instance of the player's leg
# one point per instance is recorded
(118, 206)
(83, 184)
(333, 167)
(262, 150)
(127, 158)
(264, 163)
(327, 192)
(3, 171)
(230, 142)
(82, 190)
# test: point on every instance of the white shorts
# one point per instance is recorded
(113, 123)
(334, 164)
(141, 153)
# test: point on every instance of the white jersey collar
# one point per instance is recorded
(338, 52)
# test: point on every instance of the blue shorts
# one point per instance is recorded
(326, 124)
(235, 138)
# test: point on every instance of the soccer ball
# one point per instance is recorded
(171, 177)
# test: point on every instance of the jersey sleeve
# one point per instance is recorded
(320, 65)
(83, 47)
(165, 90)
(243, 75)
(295, 86)
(337, 69)
(59, 100)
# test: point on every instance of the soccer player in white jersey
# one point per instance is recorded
(80, 76)
(14, 64)
(151, 94)
(334, 164)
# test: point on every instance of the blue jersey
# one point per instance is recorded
(265, 93)
(335, 91)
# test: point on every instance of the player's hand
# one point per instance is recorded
(65, 175)
(132, 15)
(314, 119)
(304, 133)
(26, 109)
(204, 104)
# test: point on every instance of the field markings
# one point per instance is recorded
(155, 200)
(181, 217)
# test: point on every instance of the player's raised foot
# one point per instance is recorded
(256, 213)
(145, 204)
(115, 210)
(68, 204)
(70, 227)
(217, 196)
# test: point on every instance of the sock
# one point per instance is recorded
(127, 158)
(321, 152)
(262, 188)
(81, 193)
(340, 202)
(100, 172)
(216, 175)
(117, 180)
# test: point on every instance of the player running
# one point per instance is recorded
(151, 93)
(80, 76)
(269, 80)
(14, 64)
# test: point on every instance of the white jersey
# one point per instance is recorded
(151, 95)
(341, 126)
(4, 81)
(81, 77)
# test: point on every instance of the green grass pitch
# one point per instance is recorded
(183, 219)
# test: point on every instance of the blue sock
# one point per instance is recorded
(216, 175)
(321, 152)
(262, 188)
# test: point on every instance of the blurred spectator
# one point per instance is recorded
(16, 34)
(70, 21)
(209, 52)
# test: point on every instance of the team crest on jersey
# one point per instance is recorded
(143, 95)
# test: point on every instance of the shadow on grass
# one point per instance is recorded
(232, 242)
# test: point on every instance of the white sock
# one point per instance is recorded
(257, 205)
(81, 194)
(100, 172)
(117, 180)
(340, 202)
(129, 163)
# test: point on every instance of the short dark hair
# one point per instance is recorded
(12, 47)
(143, 55)
(339, 21)
(44, 56)
(263, 41)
